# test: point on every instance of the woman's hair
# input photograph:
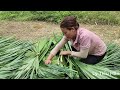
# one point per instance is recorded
(69, 22)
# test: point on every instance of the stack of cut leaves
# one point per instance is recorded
(33, 66)
(12, 52)
(25, 60)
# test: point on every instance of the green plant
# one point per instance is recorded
(25, 60)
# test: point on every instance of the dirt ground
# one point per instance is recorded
(29, 30)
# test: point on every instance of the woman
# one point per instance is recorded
(88, 46)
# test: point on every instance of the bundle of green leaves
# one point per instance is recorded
(25, 60)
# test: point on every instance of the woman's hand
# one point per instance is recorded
(48, 61)
(65, 53)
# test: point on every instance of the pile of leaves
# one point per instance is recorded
(25, 60)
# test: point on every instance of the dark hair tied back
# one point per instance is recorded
(68, 22)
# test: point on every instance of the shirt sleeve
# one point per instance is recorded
(85, 42)
(82, 54)
(59, 45)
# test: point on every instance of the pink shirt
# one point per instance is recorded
(88, 40)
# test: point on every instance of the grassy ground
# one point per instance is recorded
(30, 25)
(33, 30)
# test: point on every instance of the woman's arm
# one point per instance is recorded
(59, 46)
(56, 49)
(82, 54)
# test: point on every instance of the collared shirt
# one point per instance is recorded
(85, 40)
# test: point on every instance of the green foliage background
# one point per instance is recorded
(89, 17)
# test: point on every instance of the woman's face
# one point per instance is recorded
(70, 34)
